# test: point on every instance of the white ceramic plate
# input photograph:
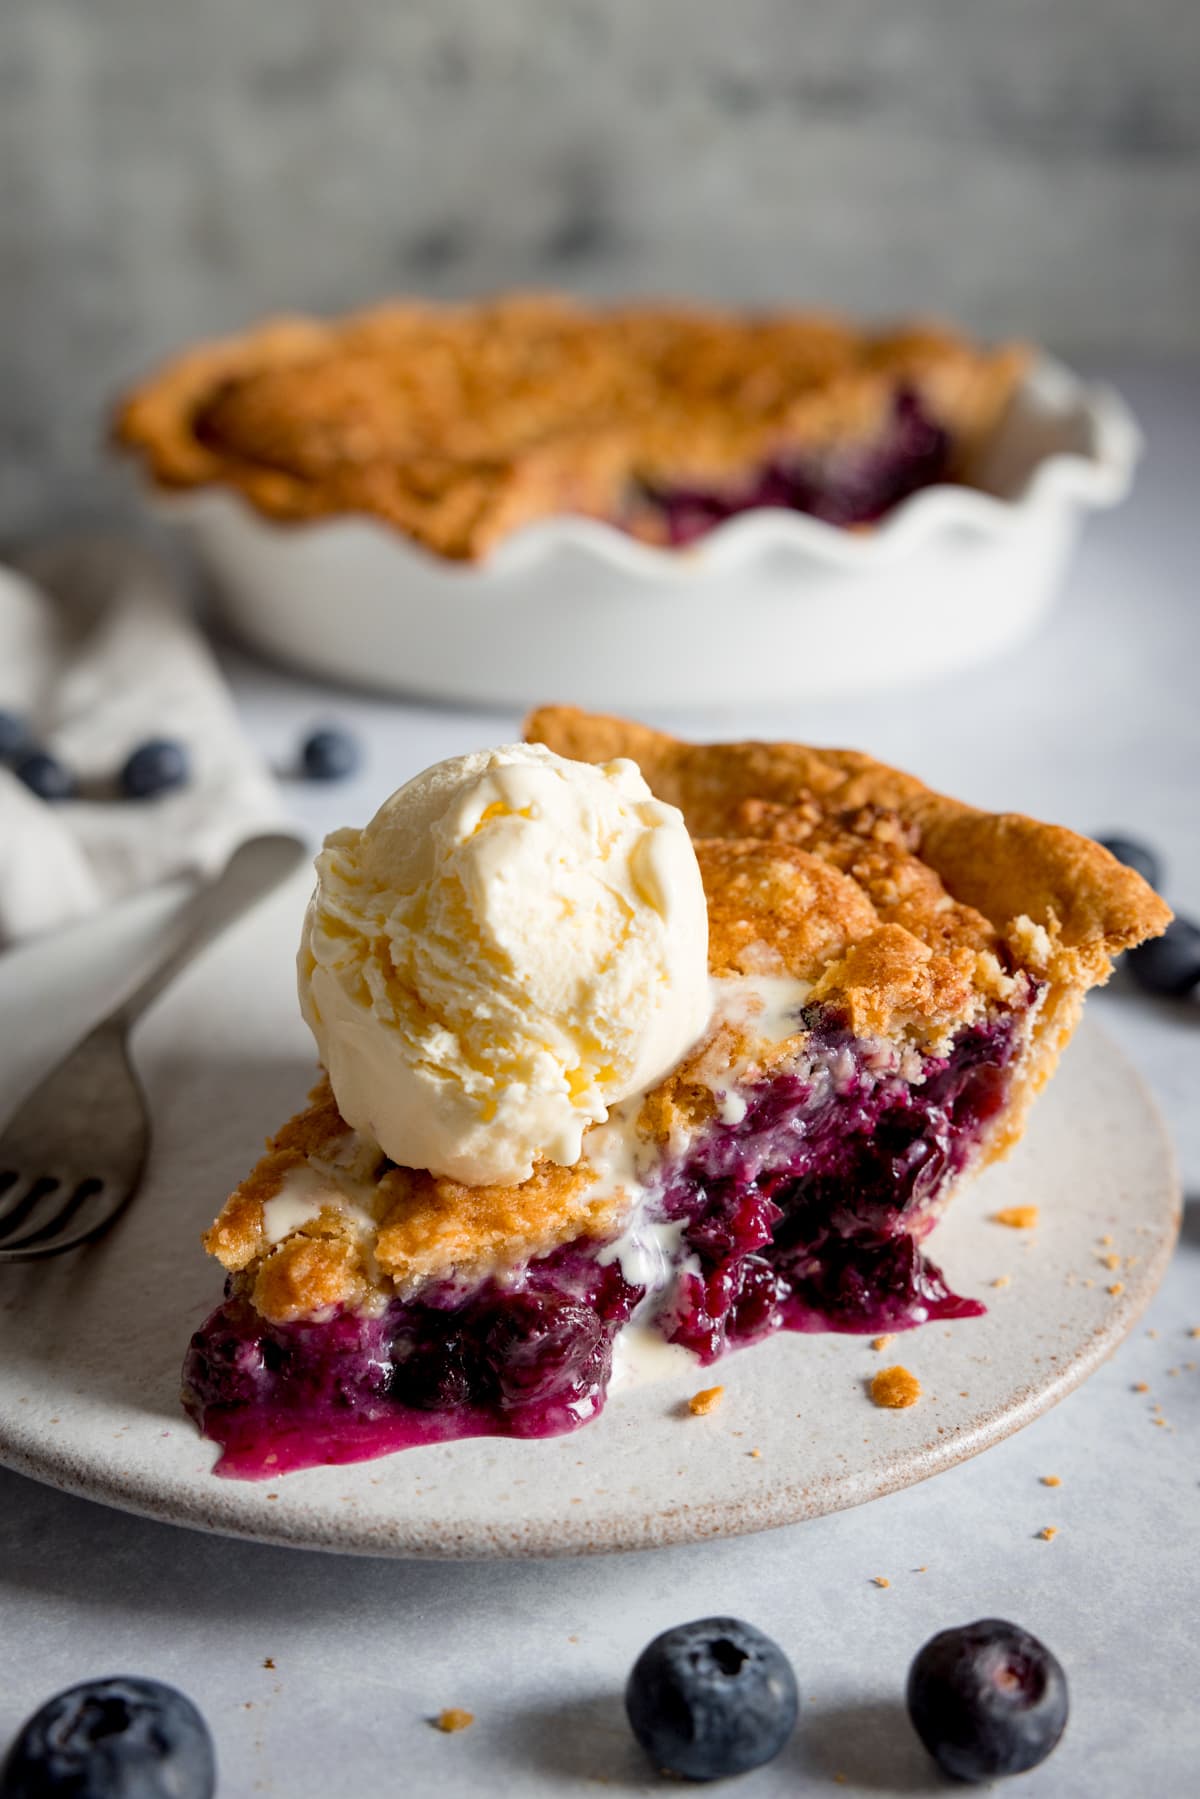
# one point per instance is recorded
(769, 606)
(90, 1347)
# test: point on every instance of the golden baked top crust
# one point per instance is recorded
(457, 424)
(951, 877)
(906, 913)
(421, 1227)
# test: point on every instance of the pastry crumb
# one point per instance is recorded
(1172, 1371)
(1195, 1331)
(1017, 1218)
(882, 1342)
(1106, 1239)
(894, 1388)
(268, 1661)
(1002, 1280)
(1115, 1288)
(755, 1454)
(1111, 1261)
(1141, 1386)
(452, 1719)
(707, 1400)
(923, 1569)
(1048, 1533)
(880, 1580)
(1051, 1480)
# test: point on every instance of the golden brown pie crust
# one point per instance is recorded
(907, 912)
(458, 424)
(949, 882)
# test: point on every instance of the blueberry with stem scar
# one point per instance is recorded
(712, 1698)
(987, 1699)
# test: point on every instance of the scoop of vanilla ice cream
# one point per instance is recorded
(512, 945)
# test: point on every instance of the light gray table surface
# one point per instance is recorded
(1097, 724)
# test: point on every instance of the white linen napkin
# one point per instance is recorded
(98, 655)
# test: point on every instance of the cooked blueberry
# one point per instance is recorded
(330, 755)
(45, 775)
(710, 1699)
(987, 1699)
(436, 1377)
(155, 767)
(541, 1346)
(14, 736)
(1136, 856)
(122, 1738)
(1170, 964)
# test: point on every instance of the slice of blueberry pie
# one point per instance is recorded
(635, 1050)
(457, 425)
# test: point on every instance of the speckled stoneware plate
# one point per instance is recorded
(90, 1347)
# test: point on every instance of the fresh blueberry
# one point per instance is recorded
(155, 767)
(1136, 856)
(330, 755)
(1168, 965)
(45, 775)
(712, 1698)
(14, 736)
(987, 1699)
(122, 1738)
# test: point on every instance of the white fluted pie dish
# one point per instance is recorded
(771, 605)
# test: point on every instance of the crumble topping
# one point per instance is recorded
(1017, 1218)
(452, 1719)
(707, 1400)
(895, 1388)
(458, 424)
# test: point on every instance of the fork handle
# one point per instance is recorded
(251, 872)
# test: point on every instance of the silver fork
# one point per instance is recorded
(72, 1155)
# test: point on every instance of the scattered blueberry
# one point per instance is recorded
(45, 775)
(987, 1699)
(14, 736)
(113, 1739)
(330, 755)
(155, 767)
(1136, 856)
(711, 1698)
(1168, 965)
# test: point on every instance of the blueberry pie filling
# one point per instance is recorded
(854, 484)
(892, 978)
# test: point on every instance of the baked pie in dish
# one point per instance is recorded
(458, 425)
(641, 1159)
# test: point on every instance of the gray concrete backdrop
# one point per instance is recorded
(173, 167)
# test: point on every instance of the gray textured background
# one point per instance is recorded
(172, 169)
